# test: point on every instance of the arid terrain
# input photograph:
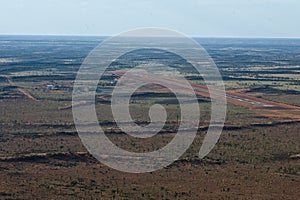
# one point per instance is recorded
(42, 156)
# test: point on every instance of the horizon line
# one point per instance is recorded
(192, 36)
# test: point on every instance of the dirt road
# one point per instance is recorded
(27, 94)
(260, 106)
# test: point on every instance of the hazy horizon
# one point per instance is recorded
(107, 36)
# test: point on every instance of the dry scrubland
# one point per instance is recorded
(251, 161)
(42, 157)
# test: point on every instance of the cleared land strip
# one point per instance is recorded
(261, 106)
(27, 94)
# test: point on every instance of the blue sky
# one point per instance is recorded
(206, 18)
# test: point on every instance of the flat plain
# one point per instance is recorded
(42, 156)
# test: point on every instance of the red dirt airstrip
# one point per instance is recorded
(260, 106)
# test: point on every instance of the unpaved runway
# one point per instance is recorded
(260, 106)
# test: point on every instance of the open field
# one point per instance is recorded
(42, 157)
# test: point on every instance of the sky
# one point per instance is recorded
(200, 18)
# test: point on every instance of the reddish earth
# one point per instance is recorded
(27, 94)
(260, 106)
